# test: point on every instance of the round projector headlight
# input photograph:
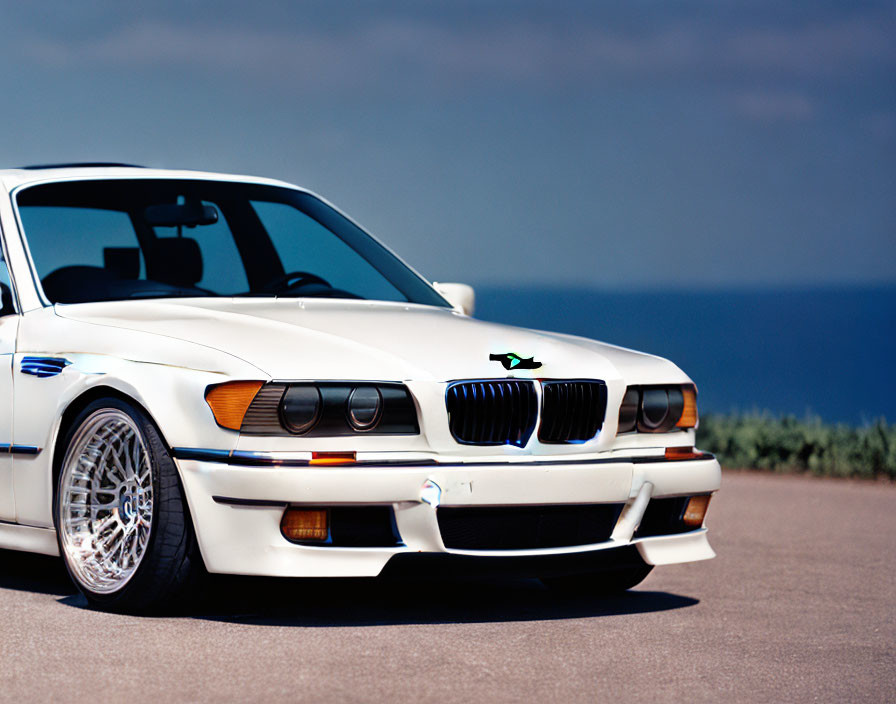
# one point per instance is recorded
(628, 411)
(654, 408)
(300, 408)
(365, 406)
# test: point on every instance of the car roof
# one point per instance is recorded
(27, 175)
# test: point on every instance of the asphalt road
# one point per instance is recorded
(800, 605)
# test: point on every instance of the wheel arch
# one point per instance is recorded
(173, 527)
(73, 410)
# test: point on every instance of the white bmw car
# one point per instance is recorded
(205, 371)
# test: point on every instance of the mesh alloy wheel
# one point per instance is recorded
(106, 501)
(122, 520)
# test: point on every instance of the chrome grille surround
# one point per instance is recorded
(506, 411)
(492, 412)
(572, 411)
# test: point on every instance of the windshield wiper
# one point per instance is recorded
(173, 294)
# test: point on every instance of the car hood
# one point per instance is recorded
(294, 338)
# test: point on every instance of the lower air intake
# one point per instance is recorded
(526, 527)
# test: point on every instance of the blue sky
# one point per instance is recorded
(622, 145)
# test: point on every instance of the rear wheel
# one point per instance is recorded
(600, 583)
(121, 517)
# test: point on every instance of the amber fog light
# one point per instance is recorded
(304, 524)
(695, 511)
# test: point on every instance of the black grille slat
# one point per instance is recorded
(491, 405)
(572, 411)
(587, 419)
(526, 527)
(583, 392)
(547, 423)
(468, 421)
(565, 409)
(499, 403)
(513, 394)
(498, 412)
(503, 411)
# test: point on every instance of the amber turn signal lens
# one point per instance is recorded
(332, 458)
(303, 524)
(229, 402)
(682, 453)
(695, 511)
(689, 412)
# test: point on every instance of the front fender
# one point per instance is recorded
(170, 387)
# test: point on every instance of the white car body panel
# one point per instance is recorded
(163, 354)
(8, 328)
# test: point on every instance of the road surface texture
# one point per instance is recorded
(800, 605)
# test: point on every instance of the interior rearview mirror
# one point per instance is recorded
(189, 214)
(461, 296)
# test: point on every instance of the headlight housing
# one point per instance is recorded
(322, 409)
(658, 408)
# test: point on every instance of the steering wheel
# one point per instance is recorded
(295, 279)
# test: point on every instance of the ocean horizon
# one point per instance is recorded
(828, 352)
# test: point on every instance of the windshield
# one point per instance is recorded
(152, 238)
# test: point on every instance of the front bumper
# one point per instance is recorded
(237, 510)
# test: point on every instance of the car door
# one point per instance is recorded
(9, 323)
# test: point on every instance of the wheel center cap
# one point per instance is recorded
(126, 509)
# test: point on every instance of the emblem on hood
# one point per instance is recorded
(514, 361)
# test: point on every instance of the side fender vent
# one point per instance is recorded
(43, 367)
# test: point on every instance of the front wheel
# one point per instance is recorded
(121, 517)
(600, 583)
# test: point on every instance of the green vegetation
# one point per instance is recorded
(761, 441)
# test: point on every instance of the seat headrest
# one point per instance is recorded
(122, 262)
(176, 261)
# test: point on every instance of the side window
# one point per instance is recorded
(306, 245)
(6, 304)
(62, 236)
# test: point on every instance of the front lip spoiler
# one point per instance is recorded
(265, 459)
(448, 564)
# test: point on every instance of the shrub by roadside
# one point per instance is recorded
(761, 441)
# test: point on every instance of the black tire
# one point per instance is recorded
(606, 583)
(171, 562)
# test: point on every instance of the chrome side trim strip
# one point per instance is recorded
(19, 449)
(264, 459)
(261, 503)
(192, 453)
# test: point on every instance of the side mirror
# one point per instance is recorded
(461, 296)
